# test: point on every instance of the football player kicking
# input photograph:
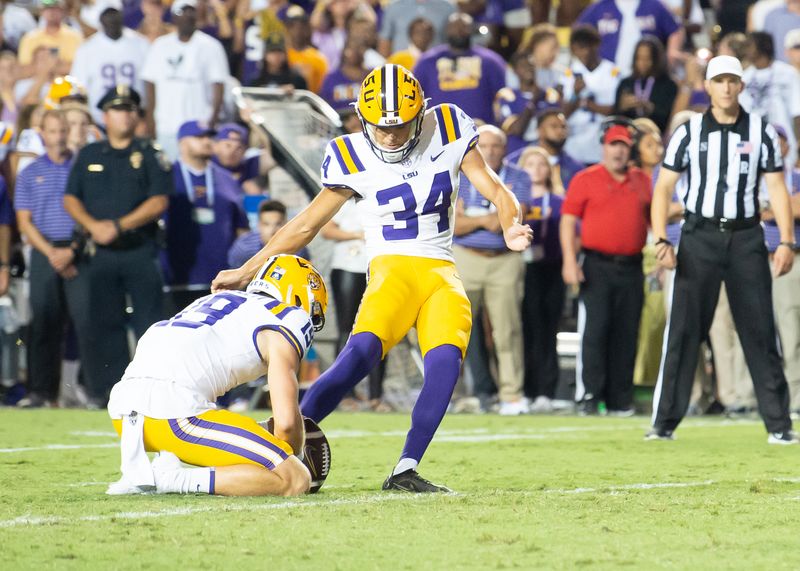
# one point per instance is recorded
(403, 169)
(165, 400)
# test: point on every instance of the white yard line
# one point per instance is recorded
(57, 447)
(624, 487)
(31, 520)
(466, 435)
(28, 520)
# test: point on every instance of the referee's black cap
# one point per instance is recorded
(120, 96)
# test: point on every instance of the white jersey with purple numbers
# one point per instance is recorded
(406, 208)
(182, 365)
(101, 64)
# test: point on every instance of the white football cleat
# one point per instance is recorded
(165, 466)
(123, 487)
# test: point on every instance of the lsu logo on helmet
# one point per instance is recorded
(391, 96)
(294, 281)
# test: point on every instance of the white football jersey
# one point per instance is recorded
(406, 208)
(184, 364)
(102, 63)
(584, 126)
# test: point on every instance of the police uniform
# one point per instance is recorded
(110, 183)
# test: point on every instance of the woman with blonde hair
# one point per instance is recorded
(544, 288)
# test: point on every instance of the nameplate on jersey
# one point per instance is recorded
(203, 215)
(95, 168)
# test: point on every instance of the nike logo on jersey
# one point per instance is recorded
(434, 157)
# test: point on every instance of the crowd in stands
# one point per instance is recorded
(541, 79)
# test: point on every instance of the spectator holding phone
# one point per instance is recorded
(62, 40)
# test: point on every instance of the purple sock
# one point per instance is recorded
(442, 365)
(360, 355)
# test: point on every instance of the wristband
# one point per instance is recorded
(663, 241)
(118, 227)
(791, 245)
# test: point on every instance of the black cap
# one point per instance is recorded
(122, 95)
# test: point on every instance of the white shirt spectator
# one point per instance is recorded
(16, 22)
(183, 74)
(758, 13)
(583, 142)
(349, 255)
(773, 93)
(102, 63)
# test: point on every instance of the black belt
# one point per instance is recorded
(635, 259)
(723, 224)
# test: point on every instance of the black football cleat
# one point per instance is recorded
(410, 481)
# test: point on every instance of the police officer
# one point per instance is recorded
(724, 151)
(117, 190)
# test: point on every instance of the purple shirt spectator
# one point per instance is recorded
(248, 169)
(544, 216)
(510, 104)
(201, 225)
(470, 80)
(652, 18)
(778, 23)
(330, 44)
(40, 189)
(772, 235)
(339, 90)
(567, 166)
(248, 245)
(515, 179)
(6, 210)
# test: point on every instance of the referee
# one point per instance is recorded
(723, 153)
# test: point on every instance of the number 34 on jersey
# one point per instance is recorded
(406, 207)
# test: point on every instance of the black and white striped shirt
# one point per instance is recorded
(723, 163)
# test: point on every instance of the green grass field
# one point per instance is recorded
(532, 493)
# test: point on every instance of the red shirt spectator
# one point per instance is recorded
(614, 213)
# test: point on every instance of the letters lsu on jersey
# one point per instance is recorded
(182, 365)
(406, 207)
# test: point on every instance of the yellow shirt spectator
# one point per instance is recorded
(65, 41)
(406, 58)
(311, 64)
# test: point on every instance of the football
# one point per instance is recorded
(316, 453)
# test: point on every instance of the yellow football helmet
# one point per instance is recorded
(391, 96)
(294, 281)
(65, 88)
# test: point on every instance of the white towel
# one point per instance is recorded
(137, 473)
